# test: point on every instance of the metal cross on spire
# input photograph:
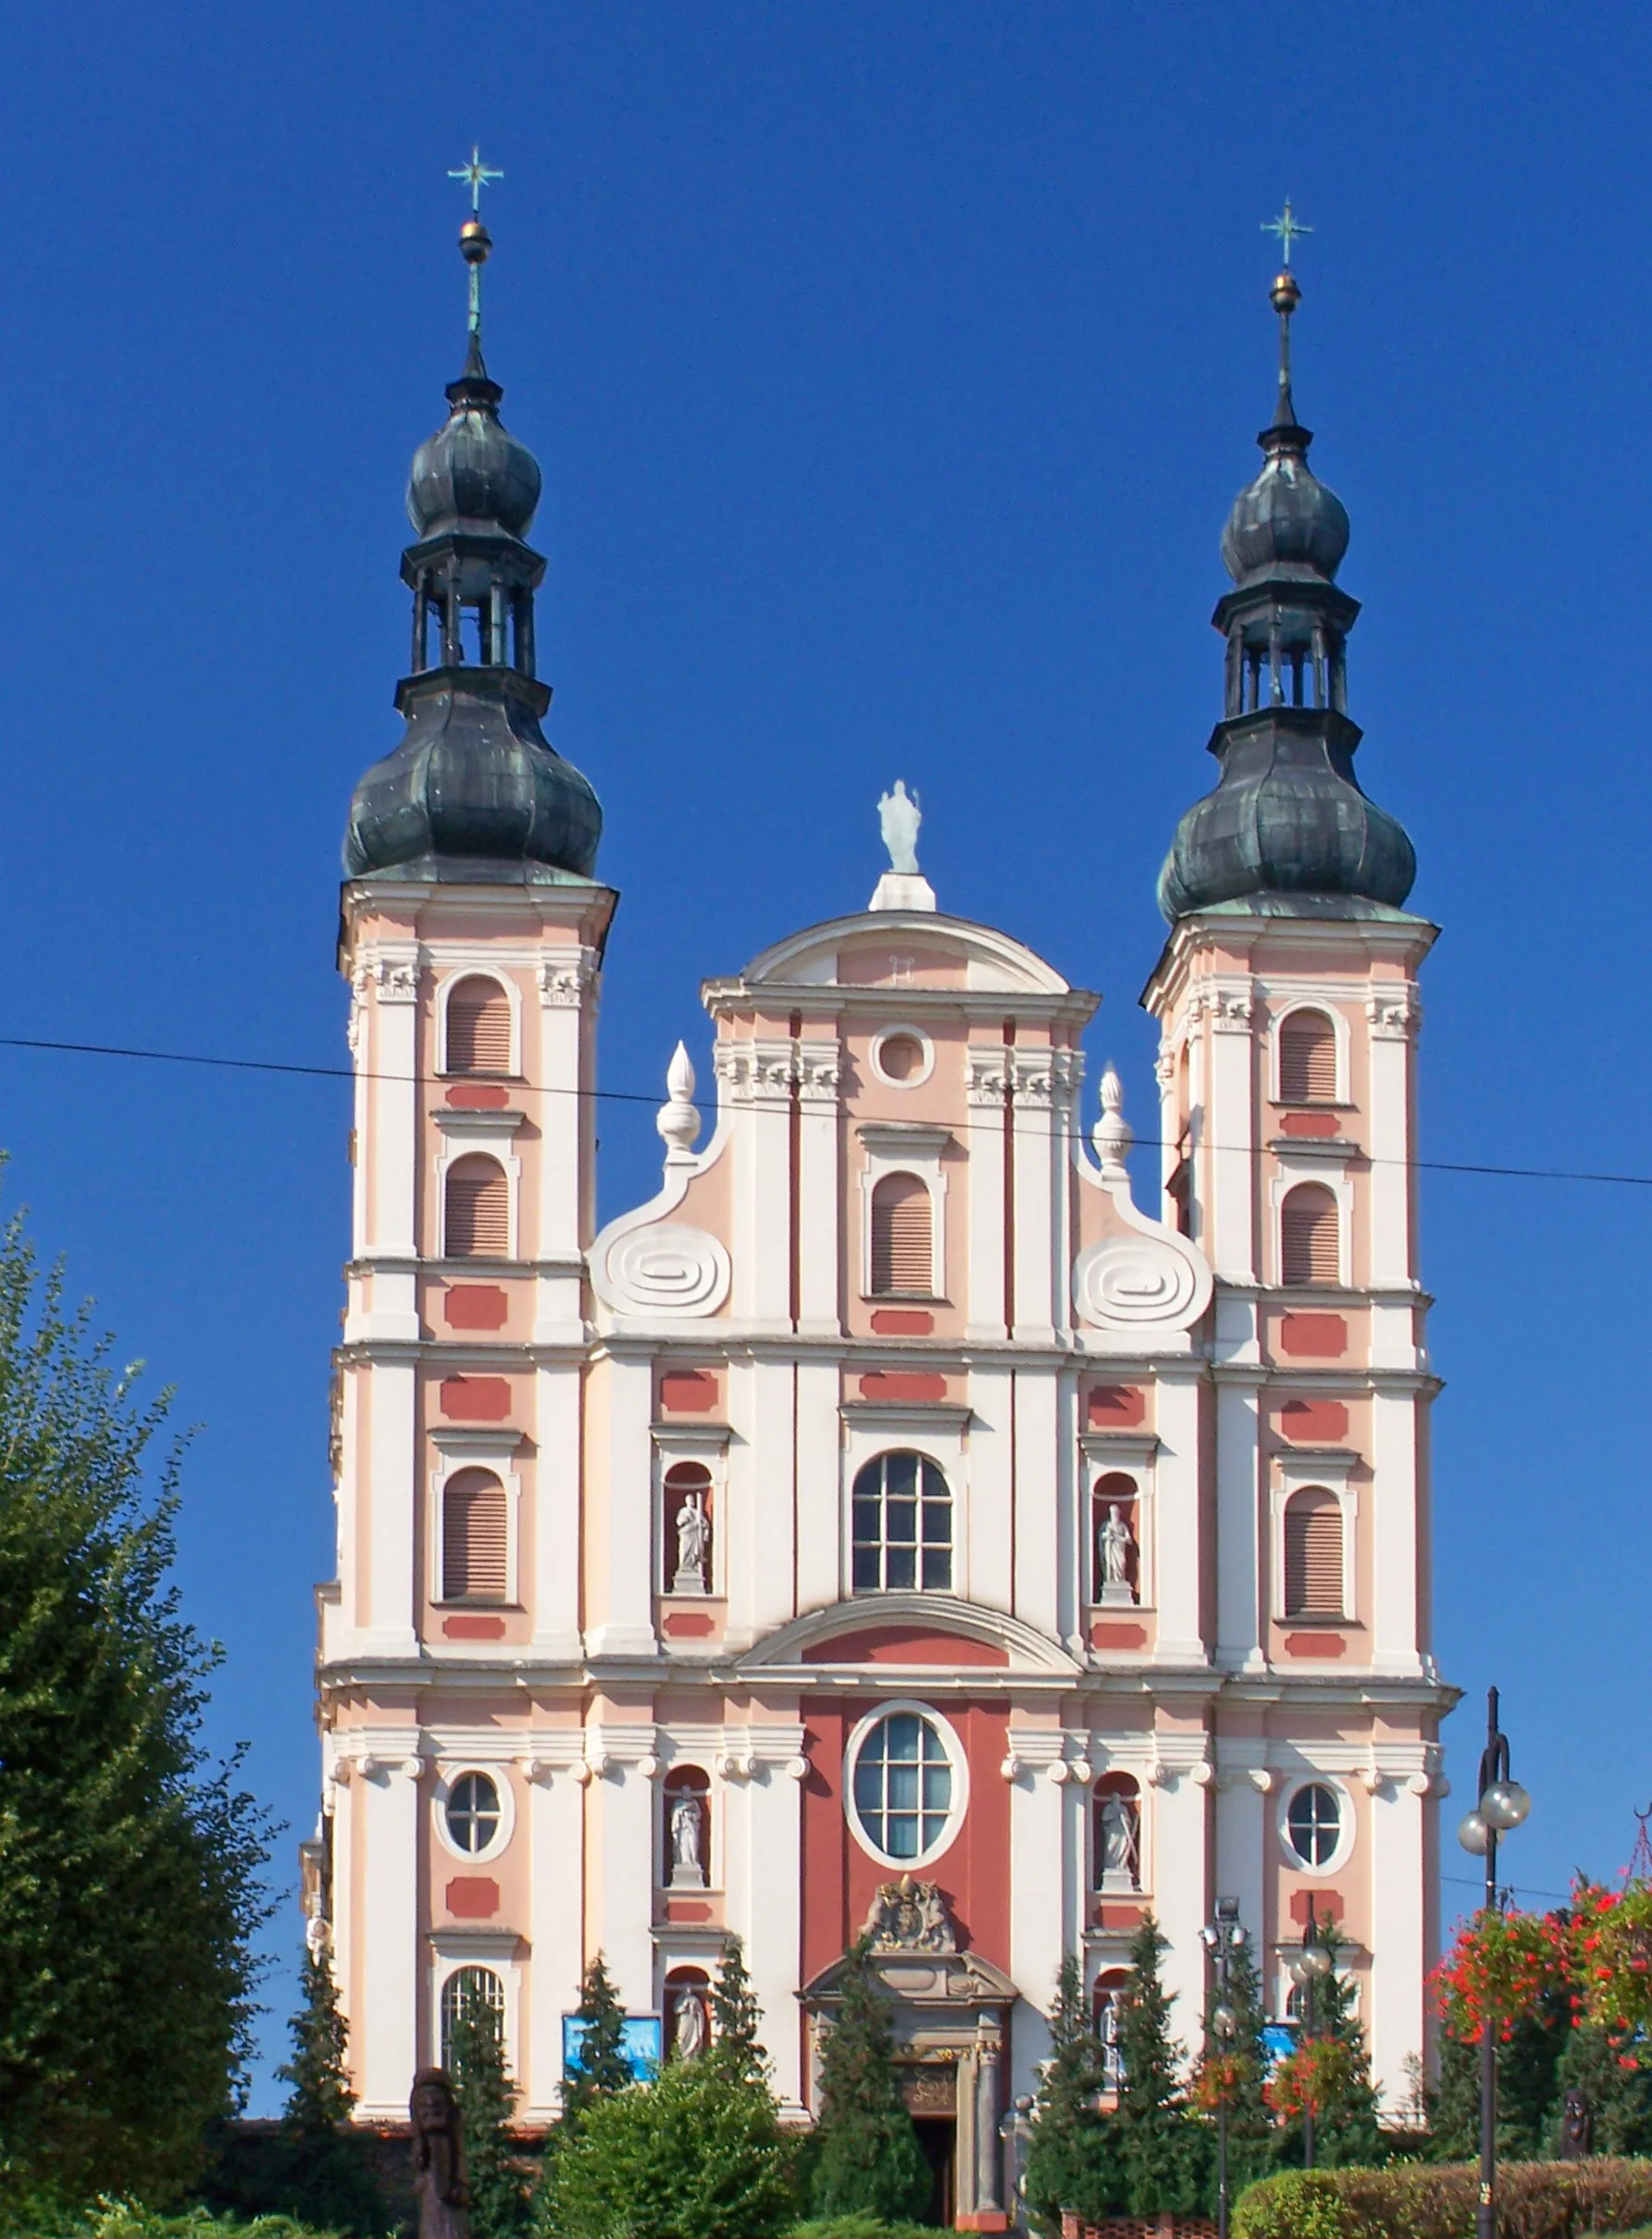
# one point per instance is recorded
(474, 239)
(477, 175)
(1285, 229)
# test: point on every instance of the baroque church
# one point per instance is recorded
(908, 1521)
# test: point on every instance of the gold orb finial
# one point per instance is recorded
(1284, 295)
(474, 241)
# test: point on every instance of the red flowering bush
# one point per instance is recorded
(1612, 1930)
(1317, 2075)
(1222, 2076)
(1506, 1965)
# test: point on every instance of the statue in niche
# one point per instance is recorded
(899, 817)
(688, 1855)
(693, 1545)
(1107, 2029)
(1115, 1545)
(439, 2172)
(1118, 1837)
(1577, 2127)
(688, 2022)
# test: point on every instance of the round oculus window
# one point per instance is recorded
(903, 1056)
(1313, 1823)
(906, 1786)
(473, 1813)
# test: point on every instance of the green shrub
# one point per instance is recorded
(126, 2219)
(861, 2227)
(1535, 2200)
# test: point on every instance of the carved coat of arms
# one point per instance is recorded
(911, 1916)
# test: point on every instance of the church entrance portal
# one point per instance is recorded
(951, 2016)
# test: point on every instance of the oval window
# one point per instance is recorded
(903, 1788)
(473, 1812)
(1313, 1824)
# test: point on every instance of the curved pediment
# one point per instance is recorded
(989, 959)
(893, 1632)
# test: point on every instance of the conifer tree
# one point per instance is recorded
(869, 2157)
(131, 1868)
(1619, 2098)
(323, 2178)
(1251, 2125)
(600, 2067)
(1073, 2161)
(1344, 2132)
(487, 2099)
(736, 2018)
(1161, 2149)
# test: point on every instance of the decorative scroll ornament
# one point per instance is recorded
(667, 1270)
(1140, 1279)
(911, 1916)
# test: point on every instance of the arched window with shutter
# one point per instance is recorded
(477, 1209)
(479, 1028)
(902, 1238)
(1307, 1059)
(1313, 1554)
(475, 1537)
(1309, 1244)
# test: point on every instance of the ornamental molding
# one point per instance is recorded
(819, 1070)
(563, 979)
(987, 1076)
(1231, 1010)
(1164, 1065)
(1393, 1017)
(393, 975)
(911, 1916)
(753, 1071)
(669, 1269)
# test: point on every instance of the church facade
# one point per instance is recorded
(904, 1519)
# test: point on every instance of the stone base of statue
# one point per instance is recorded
(687, 1877)
(1118, 1881)
(1116, 1591)
(689, 1582)
(902, 891)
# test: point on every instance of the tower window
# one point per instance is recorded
(479, 1028)
(474, 1523)
(478, 1209)
(1307, 1236)
(1313, 1824)
(473, 1813)
(1308, 1059)
(1313, 1554)
(476, 1989)
(902, 1238)
(902, 1526)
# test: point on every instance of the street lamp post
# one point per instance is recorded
(1503, 1806)
(1307, 1973)
(1221, 1938)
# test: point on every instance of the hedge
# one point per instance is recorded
(859, 2227)
(1535, 2200)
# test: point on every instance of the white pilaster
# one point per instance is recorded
(819, 1486)
(389, 1971)
(1036, 1908)
(391, 1144)
(555, 1926)
(620, 1893)
(760, 1075)
(987, 1073)
(1179, 1520)
(1239, 1571)
(820, 1186)
(1400, 1956)
(558, 1521)
(769, 1906)
(621, 1617)
(1036, 1155)
(1242, 1814)
(990, 1519)
(1038, 1509)
(392, 1513)
(1230, 1132)
(1181, 1897)
(1390, 1017)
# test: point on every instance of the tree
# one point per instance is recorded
(1620, 2097)
(599, 2067)
(695, 2154)
(737, 2016)
(1073, 2161)
(323, 2178)
(130, 1867)
(487, 2099)
(1233, 2072)
(1161, 2149)
(1336, 2066)
(869, 2156)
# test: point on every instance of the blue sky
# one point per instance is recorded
(892, 368)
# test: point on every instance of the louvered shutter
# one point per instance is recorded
(1308, 1059)
(473, 1538)
(902, 1238)
(479, 1209)
(1308, 1236)
(1313, 1555)
(479, 1028)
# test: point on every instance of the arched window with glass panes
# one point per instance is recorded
(902, 1521)
(481, 1991)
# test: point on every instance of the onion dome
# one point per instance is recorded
(1287, 827)
(475, 791)
(472, 473)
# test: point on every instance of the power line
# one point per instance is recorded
(633, 1096)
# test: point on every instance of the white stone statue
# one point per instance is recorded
(1113, 2067)
(687, 2014)
(1120, 1842)
(688, 1857)
(1115, 1545)
(693, 1547)
(899, 817)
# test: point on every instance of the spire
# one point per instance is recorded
(473, 785)
(1287, 818)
